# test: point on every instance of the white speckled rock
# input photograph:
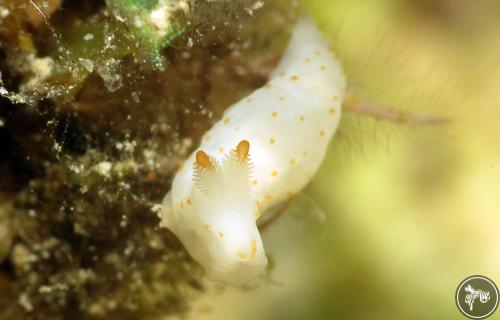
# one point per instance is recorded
(266, 148)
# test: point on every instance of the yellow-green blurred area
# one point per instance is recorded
(411, 211)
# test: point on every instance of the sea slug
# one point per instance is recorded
(265, 149)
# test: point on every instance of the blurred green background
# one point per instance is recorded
(411, 212)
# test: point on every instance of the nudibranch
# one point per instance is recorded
(265, 149)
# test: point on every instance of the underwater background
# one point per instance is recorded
(101, 101)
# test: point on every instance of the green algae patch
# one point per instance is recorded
(155, 24)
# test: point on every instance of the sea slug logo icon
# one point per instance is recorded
(477, 297)
(475, 293)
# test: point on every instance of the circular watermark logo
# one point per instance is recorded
(477, 297)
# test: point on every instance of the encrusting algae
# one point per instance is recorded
(102, 101)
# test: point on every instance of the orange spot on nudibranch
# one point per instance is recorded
(274, 114)
(206, 226)
(301, 118)
(226, 120)
(268, 86)
(269, 197)
(221, 234)
(242, 150)
(203, 160)
(322, 68)
(294, 78)
(272, 141)
(282, 98)
(188, 201)
(274, 173)
(305, 153)
(289, 194)
(254, 182)
(221, 150)
(292, 161)
(242, 255)
(322, 133)
(331, 110)
(335, 98)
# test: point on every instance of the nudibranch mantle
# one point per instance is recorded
(265, 149)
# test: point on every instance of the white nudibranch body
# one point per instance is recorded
(265, 149)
